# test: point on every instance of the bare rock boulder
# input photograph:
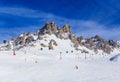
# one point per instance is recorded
(43, 45)
(50, 46)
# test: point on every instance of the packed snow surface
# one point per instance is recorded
(26, 67)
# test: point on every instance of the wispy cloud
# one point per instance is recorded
(19, 11)
(104, 32)
(86, 28)
(24, 12)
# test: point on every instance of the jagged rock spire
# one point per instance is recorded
(49, 28)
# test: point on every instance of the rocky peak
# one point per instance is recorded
(95, 43)
(98, 38)
(49, 28)
(37, 33)
(28, 34)
(67, 29)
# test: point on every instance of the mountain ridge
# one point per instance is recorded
(96, 43)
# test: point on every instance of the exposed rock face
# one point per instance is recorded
(50, 45)
(95, 43)
(43, 45)
(55, 43)
(29, 39)
(28, 34)
(98, 38)
(52, 42)
(112, 43)
(67, 29)
(60, 32)
(73, 38)
(23, 39)
(107, 49)
(53, 27)
(20, 40)
(49, 28)
(40, 37)
(89, 43)
(64, 32)
(79, 39)
(37, 33)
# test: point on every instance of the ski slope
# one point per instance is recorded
(34, 67)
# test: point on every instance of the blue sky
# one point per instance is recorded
(86, 17)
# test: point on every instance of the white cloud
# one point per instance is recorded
(25, 12)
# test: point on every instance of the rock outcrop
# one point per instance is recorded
(49, 28)
(43, 45)
(50, 45)
(20, 39)
(95, 43)
(79, 39)
(29, 39)
(73, 38)
(52, 42)
(67, 29)
(60, 32)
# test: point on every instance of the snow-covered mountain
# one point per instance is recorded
(56, 39)
(54, 54)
